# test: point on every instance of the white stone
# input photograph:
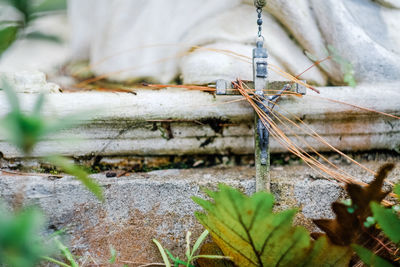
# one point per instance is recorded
(30, 82)
(121, 124)
(358, 31)
(234, 42)
(135, 42)
(298, 18)
(390, 3)
(27, 54)
(144, 38)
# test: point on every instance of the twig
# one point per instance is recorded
(33, 174)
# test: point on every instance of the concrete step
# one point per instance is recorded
(158, 204)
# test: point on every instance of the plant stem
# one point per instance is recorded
(55, 261)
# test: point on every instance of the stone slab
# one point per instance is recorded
(183, 122)
(157, 204)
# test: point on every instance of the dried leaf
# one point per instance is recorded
(348, 227)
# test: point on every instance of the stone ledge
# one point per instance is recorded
(180, 122)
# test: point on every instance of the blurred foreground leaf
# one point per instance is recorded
(26, 130)
(20, 243)
(67, 166)
(348, 226)
(42, 36)
(50, 6)
(388, 220)
(346, 67)
(246, 230)
(396, 190)
(7, 37)
(369, 258)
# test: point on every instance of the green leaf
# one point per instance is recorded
(113, 255)
(369, 258)
(177, 261)
(20, 244)
(198, 242)
(38, 105)
(345, 65)
(7, 37)
(49, 259)
(162, 252)
(396, 190)
(65, 251)
(388, 220)
(11, 95)
(50, 5)
(79, 173)
(42, 36)
(247, 231)
(26, 130)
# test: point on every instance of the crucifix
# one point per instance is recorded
(266, 103)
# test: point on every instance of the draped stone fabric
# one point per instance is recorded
(128, 40)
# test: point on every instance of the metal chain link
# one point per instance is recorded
(259, 22)
(259, 4)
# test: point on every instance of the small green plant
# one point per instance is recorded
(113, 253)
(65, 252)
(25, 131)
(190, 252)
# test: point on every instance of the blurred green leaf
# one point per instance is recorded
(23, 6)
(37, 109)
(67, 166)
(388, 220)
(65, 251)
(50, 5)
(42, 36)
(49, 259)
(369, 258)
(396, 190)
(20, 244)
(26, 130)
(345, 65)
(7, 37)
(11, 95)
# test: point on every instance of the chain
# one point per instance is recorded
(259, 4)
(259, 22)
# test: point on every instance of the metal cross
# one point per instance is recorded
(260, 83)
